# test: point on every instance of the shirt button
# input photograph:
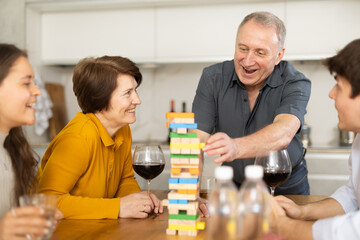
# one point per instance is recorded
(245, 100)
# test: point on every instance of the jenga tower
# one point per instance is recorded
(184, 181)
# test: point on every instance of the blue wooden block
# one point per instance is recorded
(183, 201)
(189, 180)
(173, 201)
(183, 125)
(173, 180)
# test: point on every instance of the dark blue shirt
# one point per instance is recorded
(221, 104)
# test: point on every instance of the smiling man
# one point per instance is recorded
(254, 101)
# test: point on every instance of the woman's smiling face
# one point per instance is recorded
(18, 94)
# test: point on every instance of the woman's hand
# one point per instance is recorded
(292, 209)
(136, 205)
(158, 208)
(21, 221)
(58, 216)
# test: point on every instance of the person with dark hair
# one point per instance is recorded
(254, 102)
(18, 95)
(88, 165)
(338, 217)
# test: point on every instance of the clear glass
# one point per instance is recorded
(44, 201)
(277, 167)
(148, 162)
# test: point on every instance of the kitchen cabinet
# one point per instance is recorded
(175, 31)
(70, 36)
(317, 29)
(203, 33)
(328, 169)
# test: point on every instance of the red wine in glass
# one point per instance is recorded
(148, 171)
(275, 177)
(148, 162)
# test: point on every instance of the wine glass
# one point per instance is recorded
(277, 167)
(148, 162)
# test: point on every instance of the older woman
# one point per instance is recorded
(89, 164)
(18, 95)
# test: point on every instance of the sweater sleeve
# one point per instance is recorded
(65, 161)
(128, 183)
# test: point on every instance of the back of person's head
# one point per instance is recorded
(346, 63)
(21, 155)
(8, 56)
(268, 19)
(95, 79)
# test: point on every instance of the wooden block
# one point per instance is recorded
(187, 180)
(173, 211)
(183, 186)
(175, 150)
(185, 151)
(170, 231)
(187, 191)
(181, 130)
(185, 140)
(179, 115)
(191, 211)
(183, 125)
(183, 175)
(186, 135)
(175, 170)
(185, 145)
(185, 166)
(174, 180)
(194, 161)
(194, 140)
(187, 233)
(184, 156)
(183, 222)
(175, 195)
(175, 140)
(188, 120)
(165, 202)
(200, 225)
(194, 151)
(184, 216)
(182, 227)
(190, 206)
(194, 171)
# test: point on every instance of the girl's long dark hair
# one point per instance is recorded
(22, 156)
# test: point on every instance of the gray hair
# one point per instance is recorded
(268, 19)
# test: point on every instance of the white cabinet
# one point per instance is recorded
(320, 28)
(328, 170)
(205, 32)
(70, 36)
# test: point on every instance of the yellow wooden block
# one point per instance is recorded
(200, 225)
(175, 170)
(182, 227)
(187, 191)
(179, 115)
(194, 171)
(186, 145)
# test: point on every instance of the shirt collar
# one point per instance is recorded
(274, 80)
(104, 135)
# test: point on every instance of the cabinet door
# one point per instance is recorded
(203, 32)
(70, 36)
(320, 28)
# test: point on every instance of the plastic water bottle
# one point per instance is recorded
(253, 205)
(222, 206)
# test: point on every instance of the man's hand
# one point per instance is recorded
(203, 207)
(292, 209)
(221, 144)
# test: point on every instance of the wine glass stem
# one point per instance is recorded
(272, 190)
(148, 183)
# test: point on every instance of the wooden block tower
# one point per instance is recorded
(184, 181)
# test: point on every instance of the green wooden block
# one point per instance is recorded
(183, 216)
(185, 135)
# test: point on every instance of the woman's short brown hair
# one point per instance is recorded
(95, 79)
(347, 64)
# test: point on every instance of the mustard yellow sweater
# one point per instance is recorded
(88, 170)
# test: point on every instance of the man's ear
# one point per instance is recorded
(280, 56)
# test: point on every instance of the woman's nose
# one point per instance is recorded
(35, 90)
(136, 99)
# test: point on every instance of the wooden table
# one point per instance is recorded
(141, 229)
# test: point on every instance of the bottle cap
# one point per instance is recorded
(254, 171)
(224, 172)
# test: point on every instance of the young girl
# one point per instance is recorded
(18, 95)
